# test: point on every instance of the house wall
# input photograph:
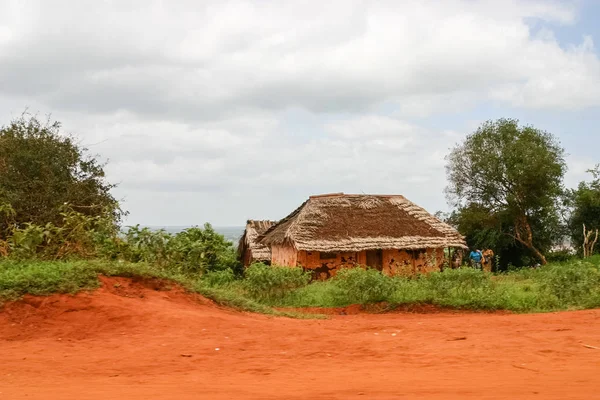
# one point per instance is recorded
(395, 262)
(285, 256)
(325, 268)
(398, 262)
(404, 263)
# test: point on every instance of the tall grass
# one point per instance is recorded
(574, 285)
(561, 286)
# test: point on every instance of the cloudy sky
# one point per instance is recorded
(221, 110)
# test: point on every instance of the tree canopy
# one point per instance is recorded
(504, 182)
(584, 203)
(42, 169)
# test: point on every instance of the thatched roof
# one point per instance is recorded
(254, 229)
(344, 222)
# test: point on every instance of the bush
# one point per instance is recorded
(363, 286)
(78, 236)
(317, 294)
(42, 169)
(572, 284)
(463, 287)
(42, 278)
(219, 278)
(200, 250)
(269, 283)
(193, 251)
(560, 256)
(459, 280)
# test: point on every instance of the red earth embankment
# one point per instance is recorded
(129, 340)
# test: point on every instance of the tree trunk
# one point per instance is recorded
(588, 248)
(539, 255)
(527, 241)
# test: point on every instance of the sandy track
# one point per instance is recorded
(128, 341)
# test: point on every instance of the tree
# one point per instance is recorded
(515, 174)
(585, 207)
(42, 169)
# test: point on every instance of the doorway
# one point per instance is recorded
(375, 259)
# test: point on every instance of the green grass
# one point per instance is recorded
(18, 278)
(43, 278)
(561, 286)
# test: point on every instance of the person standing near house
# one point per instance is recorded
(476, 257)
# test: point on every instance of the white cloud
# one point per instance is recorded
(570, 80)
(194, 60)
(189, 100)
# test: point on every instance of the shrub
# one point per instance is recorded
(316, 294)
(269, 283)
(463, 287)
(193, 251)
(41, 278)
(363, 285)
(78, 236)
(219, 278)
(200, 250)
(560, 256)
(461, 280)
(572, 284)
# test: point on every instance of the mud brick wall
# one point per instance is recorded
(394, 262)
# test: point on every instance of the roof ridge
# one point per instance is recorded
(318, 196)
(336, 194)
(282, 221)
(315, 213)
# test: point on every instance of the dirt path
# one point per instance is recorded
(126, 341)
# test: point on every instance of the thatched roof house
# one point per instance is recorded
(386, 232)
(249, 250)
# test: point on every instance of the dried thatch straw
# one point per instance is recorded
(339, 223)
(258, 251)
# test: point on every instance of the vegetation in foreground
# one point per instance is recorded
(60, 227)
(560, 286)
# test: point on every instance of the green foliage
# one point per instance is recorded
(585, 205)
(197, 250)
(316, 294)
(461, 288)
(269, 283)
(42, 278)
(219, 278)
(511, 177)
(573, 285)
(484, 229)
(145, 245)
(363, 286)
(457, 281)
(560, 256)
(79, 236)
(41, 169)
(192, 251)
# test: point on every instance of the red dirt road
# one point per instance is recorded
(127, 341)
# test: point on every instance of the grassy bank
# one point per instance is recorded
(564, 286)
(41, 278)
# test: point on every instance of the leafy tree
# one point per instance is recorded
(585, 207)
(513, 175)
(195, 250)
(484, 229)
(199, 250)
(42, 169)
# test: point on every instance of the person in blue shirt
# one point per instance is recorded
(476, 257)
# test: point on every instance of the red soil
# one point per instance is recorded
(135, 340)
